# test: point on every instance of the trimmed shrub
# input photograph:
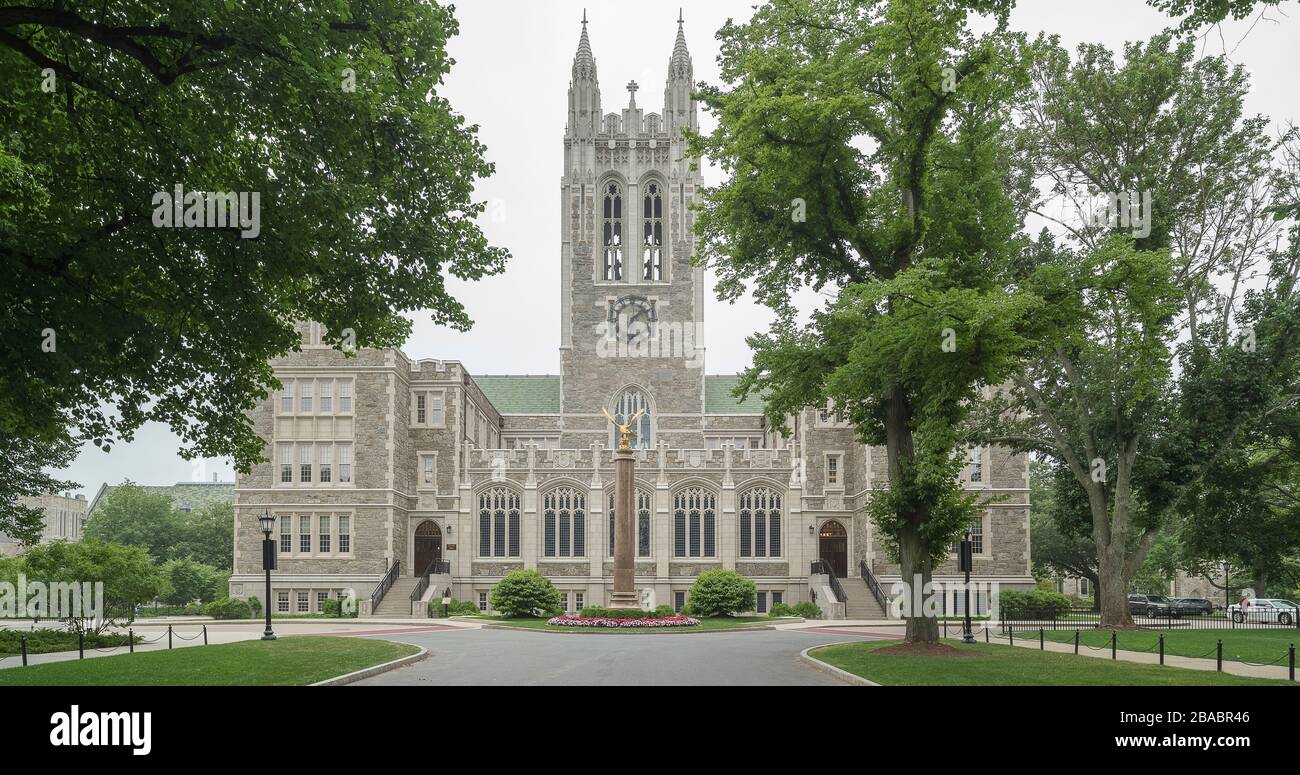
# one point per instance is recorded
(525, 593)
(454, 608)
(1037, 604)
(722, 592)
(254, 606)
(229, 608)
(807, 610)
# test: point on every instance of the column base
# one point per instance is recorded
(624, 600)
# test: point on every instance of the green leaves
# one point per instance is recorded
(366, 204)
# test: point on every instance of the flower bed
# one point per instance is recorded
(582, 621)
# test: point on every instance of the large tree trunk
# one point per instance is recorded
(913, 549)
(1260, 580)
(1112, 591)
(915, 566)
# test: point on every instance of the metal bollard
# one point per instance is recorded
(169, 636)
(130, 640)
(1162, 648)
(23, 642)
(1219, 658)
(81, 645)
(986, 633)
(1291, 657)
(1076, 641)
(1041, 645)
(1011, 637)
(1114, 636)
(205, 635)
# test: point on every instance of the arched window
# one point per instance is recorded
(628, 403)
(644, 510)
(695, 518)
(612, 232)
(564, 523)
(652, 234)
(760, 523)
(498, 523)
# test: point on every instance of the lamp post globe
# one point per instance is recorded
(267, 522)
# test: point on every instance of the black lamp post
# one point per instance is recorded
(966, 560)
(268, 564)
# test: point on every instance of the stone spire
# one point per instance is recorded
(584, 90)
(679, 109)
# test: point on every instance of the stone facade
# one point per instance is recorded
(494, 473)
(65, 518)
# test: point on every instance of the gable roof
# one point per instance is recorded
(719, 400)
(189, 496)
(528, 394)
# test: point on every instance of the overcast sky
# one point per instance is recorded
(511, 78)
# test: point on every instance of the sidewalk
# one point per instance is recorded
(190, 633)
(1030, 641)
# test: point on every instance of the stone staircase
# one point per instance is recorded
(860, 603)
(397, 601)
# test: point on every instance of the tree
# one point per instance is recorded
(207, 535)
(1199, 13)
(721, 592)
(1060, 531)
(191, 581)
(331, 116)
(133, 516)
(526, 593)
(866, 151)
(23, 466)
(1097, 392)
(129, 576)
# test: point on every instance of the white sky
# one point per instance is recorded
(511, 78)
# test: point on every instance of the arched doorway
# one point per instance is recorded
(428, 545)
(833, 547)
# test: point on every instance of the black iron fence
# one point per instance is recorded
(1220, 620)
(132, 640)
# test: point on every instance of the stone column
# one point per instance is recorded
(624, 594)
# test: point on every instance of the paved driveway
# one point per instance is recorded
(491, 657)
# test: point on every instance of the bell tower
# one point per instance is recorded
(632, 304)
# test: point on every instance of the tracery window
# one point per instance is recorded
(644, 510)
(498, 523)
(760, 523)
(564, 523)
(652, 234)
(612, 232)
(695, 511)
(629, 402)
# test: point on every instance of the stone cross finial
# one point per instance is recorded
(632, 87)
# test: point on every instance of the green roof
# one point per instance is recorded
(522, 395)
(719, 400)
(185, 495)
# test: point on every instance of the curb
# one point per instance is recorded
(627, 630)
(832, 670)
(374, 670)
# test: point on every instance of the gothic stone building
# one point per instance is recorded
(380, 464)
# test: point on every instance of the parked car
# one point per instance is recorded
(1194, 606)
(1268, 610)
(1151, 605)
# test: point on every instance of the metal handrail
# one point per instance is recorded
(874, 585)
(821, 567)
(385, 584)
(436, 567)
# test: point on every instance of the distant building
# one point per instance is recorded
(187, 496)
(65, 517)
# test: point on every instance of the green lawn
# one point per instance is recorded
(290, 661)
(1257, 646)
(1013, 666)
(711, 623)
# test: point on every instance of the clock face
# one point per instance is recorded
(633, 317)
